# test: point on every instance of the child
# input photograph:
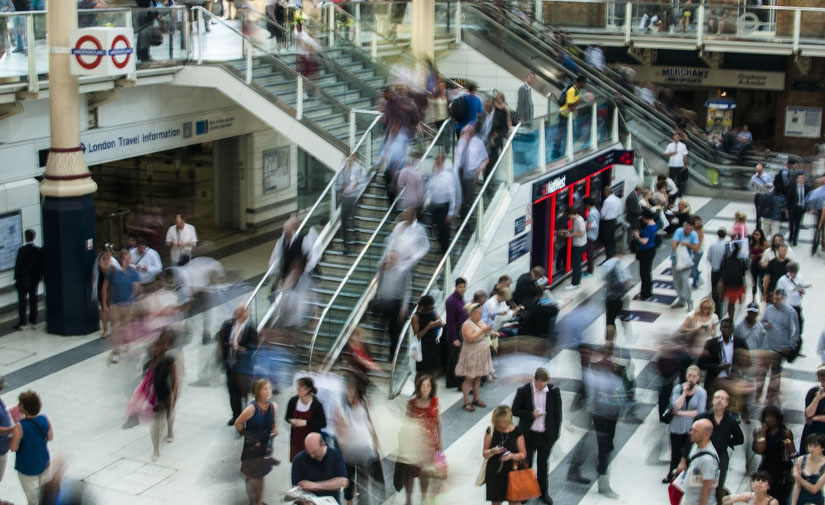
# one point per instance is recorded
(684, 21)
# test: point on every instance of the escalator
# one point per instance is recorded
(496, 36)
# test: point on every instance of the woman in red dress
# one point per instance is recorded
(423, 408)
(305, 414)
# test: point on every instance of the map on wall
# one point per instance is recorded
(11, 239)
(803, 121)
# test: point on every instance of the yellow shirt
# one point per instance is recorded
(572, 96)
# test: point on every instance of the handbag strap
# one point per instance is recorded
(45, 436)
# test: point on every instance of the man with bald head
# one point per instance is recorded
(726, 432)
(319, 469)
(700, 479)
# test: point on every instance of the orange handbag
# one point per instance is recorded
(522, 484)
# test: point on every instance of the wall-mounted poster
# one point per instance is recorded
(276, 169)
(803, 122)
(11, 239)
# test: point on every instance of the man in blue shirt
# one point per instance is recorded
(120, 288)
(319, 469)
(473, 105)
(685, 236)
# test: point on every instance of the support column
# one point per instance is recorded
(67, 187)
(423, 29)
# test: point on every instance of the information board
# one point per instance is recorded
(11, 239)
(803, 122)
(519, 246)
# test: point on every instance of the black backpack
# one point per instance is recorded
(733, 270)
(459, 109)
(562, 99)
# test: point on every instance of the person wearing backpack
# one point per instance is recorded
(568, 101)
(734, 270)
(701, 477)
(465, 109)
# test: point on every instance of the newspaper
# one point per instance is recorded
(299, 495)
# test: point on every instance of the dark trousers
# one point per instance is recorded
(715, 293)
(800, 320)
(390, 310)
(645, 257)
(235, 395)
(608, 231)
(680, 177)
(576, 260)
(612, 308)
(442, 227)
(22, 293)
(590, 250)
(605, 431)
(358, 475)
(452, 360)
(757, 202)
(677, 445)
(794, 220)
(348, 204)
(468, 193)
(537, 443)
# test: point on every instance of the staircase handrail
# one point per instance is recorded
(343, 335)
(347, 276)
(329, 187)
(405, 329)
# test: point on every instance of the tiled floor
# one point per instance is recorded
(85, 402)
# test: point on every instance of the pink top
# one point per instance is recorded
(740, 231)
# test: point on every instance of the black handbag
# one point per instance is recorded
(155, 36)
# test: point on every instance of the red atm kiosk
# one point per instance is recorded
(552, 195)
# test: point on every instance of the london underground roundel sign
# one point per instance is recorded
(121, 51)
(89, 52)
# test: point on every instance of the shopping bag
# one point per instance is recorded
(683, 259)
(142, 403)
(522, 484)
(415, 350)
(437, 469)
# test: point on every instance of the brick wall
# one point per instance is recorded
(575, 14)
(802, 146)
(812, 22)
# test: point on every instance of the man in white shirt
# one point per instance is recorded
(760, 184)
(294, 249)
(701, 477)
(794, 286)
(182, 239)
(146, 261)
(441, 189)
(677, 154)
(593, 219)
(716, 256)
(611, 210)
(578, 236)
(472, 162)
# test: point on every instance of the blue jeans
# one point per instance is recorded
(695, 271)
(20, 32)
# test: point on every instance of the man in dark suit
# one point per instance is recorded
(796, 206)
(28, 272)
(632, 208)
(237, 341)
(538, 319)
(717, 358)
(524, 108)
(538, 407)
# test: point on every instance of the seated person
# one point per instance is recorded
(319, 469)
(539, 315)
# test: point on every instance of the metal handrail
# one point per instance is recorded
(349, 274)
(338, 344)
(334, 102)
(372, 29)
(446, 255)
(327, 189)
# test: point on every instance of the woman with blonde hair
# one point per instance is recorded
(475, 360)
(701, 324)
(503, 446)
(740, 226)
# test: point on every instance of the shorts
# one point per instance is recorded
(734, 294)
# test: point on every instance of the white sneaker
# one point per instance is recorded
(115, 358)
(677, 304)
(571, 287)
(690, 307)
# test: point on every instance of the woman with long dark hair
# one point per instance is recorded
(774, 442)
(305, 414)
(756, 247)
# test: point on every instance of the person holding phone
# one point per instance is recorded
(814, 410)
(426, 325)
(475, 360)
(687, 400)
(503, 445)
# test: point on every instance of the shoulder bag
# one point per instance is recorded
(522, 484)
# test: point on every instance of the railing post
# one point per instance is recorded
(797, 24)
(542, 161)
(570, 142)
(508, 165)
(200, 36)
(333, 204)
(458, 23)
(700, 26)
(128, 22)
(247, 48)
(351, 130)
(369, 148)
(358, 25)
(480, 217)
(594, 126)
(34, 83)
(628, 22)
(331, 8)
(299, 98)
(615, 125)
(640, 170)
(374, 46)
(447, 274)
(629, 143)
(187, 32)
(539, 10)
